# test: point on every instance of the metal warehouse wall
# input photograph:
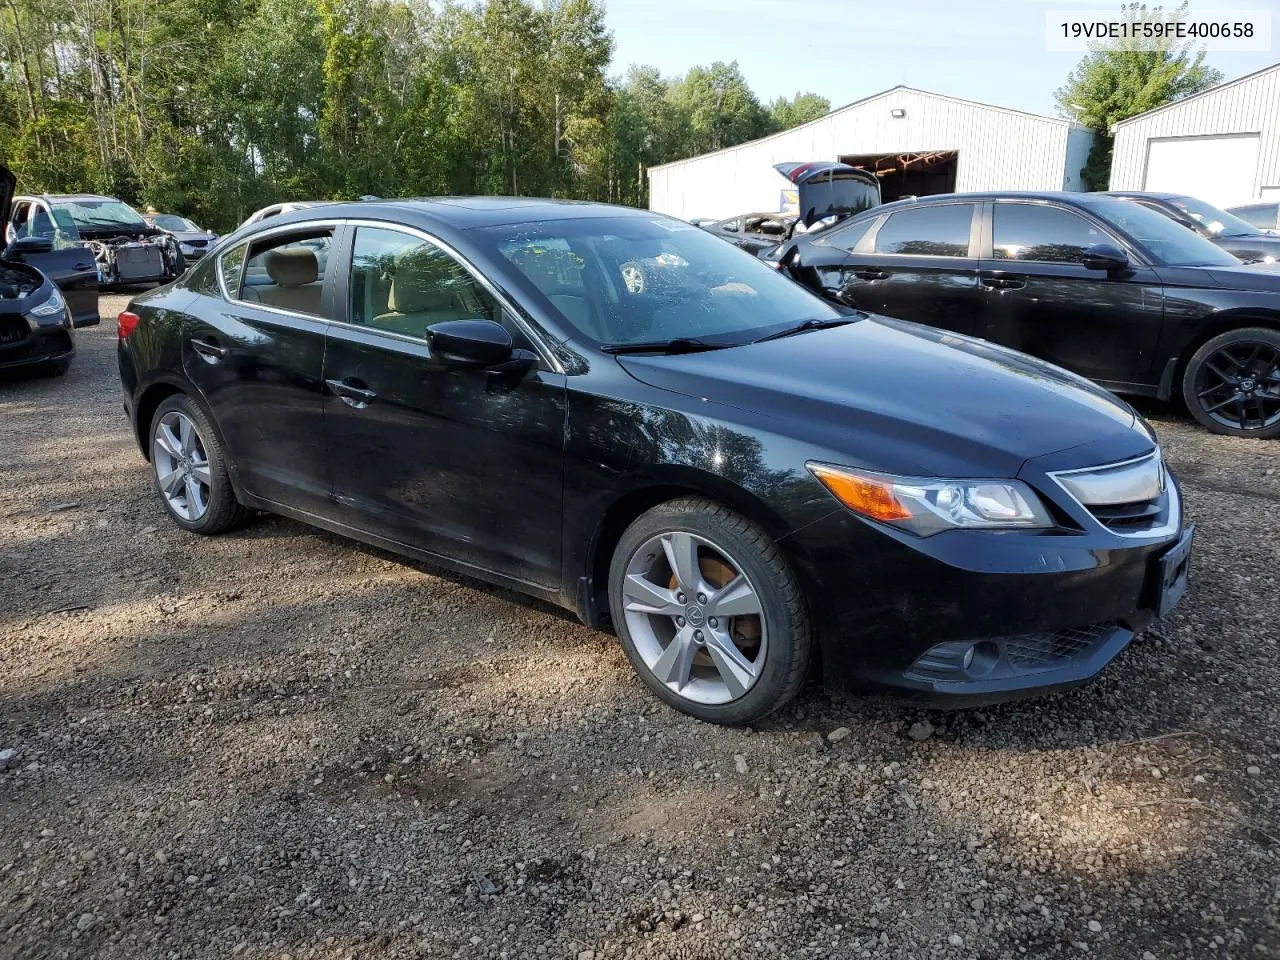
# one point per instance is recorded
(998, 150)
(1248, 105)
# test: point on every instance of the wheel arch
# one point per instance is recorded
(592, 591)
(1219, 323)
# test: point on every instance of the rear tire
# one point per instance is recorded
(709, 612)
(56, 368)
(189, 467)
(1232, 383)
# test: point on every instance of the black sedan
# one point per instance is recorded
(1099, 285)
(36, 328)
(1238, 237)
(738, 478)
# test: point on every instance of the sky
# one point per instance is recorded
(992, 51)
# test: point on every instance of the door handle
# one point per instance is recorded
(81, 266)
(1004, 283)
(871, 274)
(209, 352)
(351, 392)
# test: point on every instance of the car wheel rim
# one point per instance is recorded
(634, 279)
(1238, 385)
(181, 465)
(695, 618)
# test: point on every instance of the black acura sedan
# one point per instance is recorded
(741, 480)
(1100, 285)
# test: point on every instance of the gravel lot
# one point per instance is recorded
(280, 743)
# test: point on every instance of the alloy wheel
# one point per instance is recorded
(181, 465)
(1238, 385)
(695, 618)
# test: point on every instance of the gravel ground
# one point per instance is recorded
(278, 743)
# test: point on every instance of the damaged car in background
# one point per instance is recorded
(824, 193)
(192, 240)
(126, 249)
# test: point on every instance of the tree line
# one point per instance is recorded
(213, 108)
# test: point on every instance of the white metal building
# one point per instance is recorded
(918, 142)
(1222, 145)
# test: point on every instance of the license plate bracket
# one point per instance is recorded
(1173, 567)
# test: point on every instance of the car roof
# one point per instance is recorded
(1070, 197)
(465, 213)
(1154, 195)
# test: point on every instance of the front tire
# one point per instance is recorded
(1232, 383)
(190, 469)
(709, 612)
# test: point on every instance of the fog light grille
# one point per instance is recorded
(1037, 649)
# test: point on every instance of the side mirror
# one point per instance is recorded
(28, 245)
(1105, 256)
(472, 343)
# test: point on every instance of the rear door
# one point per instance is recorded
(462, 462)
(255, 352)
(919, 264)
(69, 263)
(1039, 298)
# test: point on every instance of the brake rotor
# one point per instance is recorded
(745, 631)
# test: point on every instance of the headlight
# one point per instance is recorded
(54, 305)
(926, 506)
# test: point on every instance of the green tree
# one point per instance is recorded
(1118, 80)
(803, 107)
(717, 109)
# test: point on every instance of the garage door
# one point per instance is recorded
(1219, 170)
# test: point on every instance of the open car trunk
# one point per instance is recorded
(825, 189)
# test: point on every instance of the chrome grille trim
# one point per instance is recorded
(1140, 482)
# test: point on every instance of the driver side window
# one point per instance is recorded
(404, 284)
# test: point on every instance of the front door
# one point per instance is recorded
(918, 266)
(68, 263)
(254, 349)
(1040, 298)
(462, 462)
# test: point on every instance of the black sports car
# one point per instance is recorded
(1238, 237)
(36, 328)
(1100, 285)
(729, 472)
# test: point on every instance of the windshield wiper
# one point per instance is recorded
(678, 345)
(813, 323)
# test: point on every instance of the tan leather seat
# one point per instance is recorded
(295, 273)
(428, 287)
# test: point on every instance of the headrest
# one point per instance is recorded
(424, 280)
(292, 266)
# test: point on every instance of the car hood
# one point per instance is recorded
(186, 236)
(1248, 276)
(7, 183)
(928, 402)
(1259, 244)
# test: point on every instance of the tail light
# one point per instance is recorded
(125, 324)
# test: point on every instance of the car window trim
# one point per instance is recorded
(535, 337)
(1135, 253)
(300, 227)
(969, 254)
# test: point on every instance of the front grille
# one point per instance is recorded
(138, 262)
(197, 243)
(13, 330)
(1131, 497)
(1038, 649)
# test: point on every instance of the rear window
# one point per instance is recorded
(932, 231)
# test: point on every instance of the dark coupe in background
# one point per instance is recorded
(734, 475)
(1100, 285)
(1233, 234)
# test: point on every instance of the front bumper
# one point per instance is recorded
(46, 341)
(1031, 613)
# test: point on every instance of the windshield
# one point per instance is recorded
(87, 212)
(630, 280)
(1219, 223)
(1168, 241)
(169, 221)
